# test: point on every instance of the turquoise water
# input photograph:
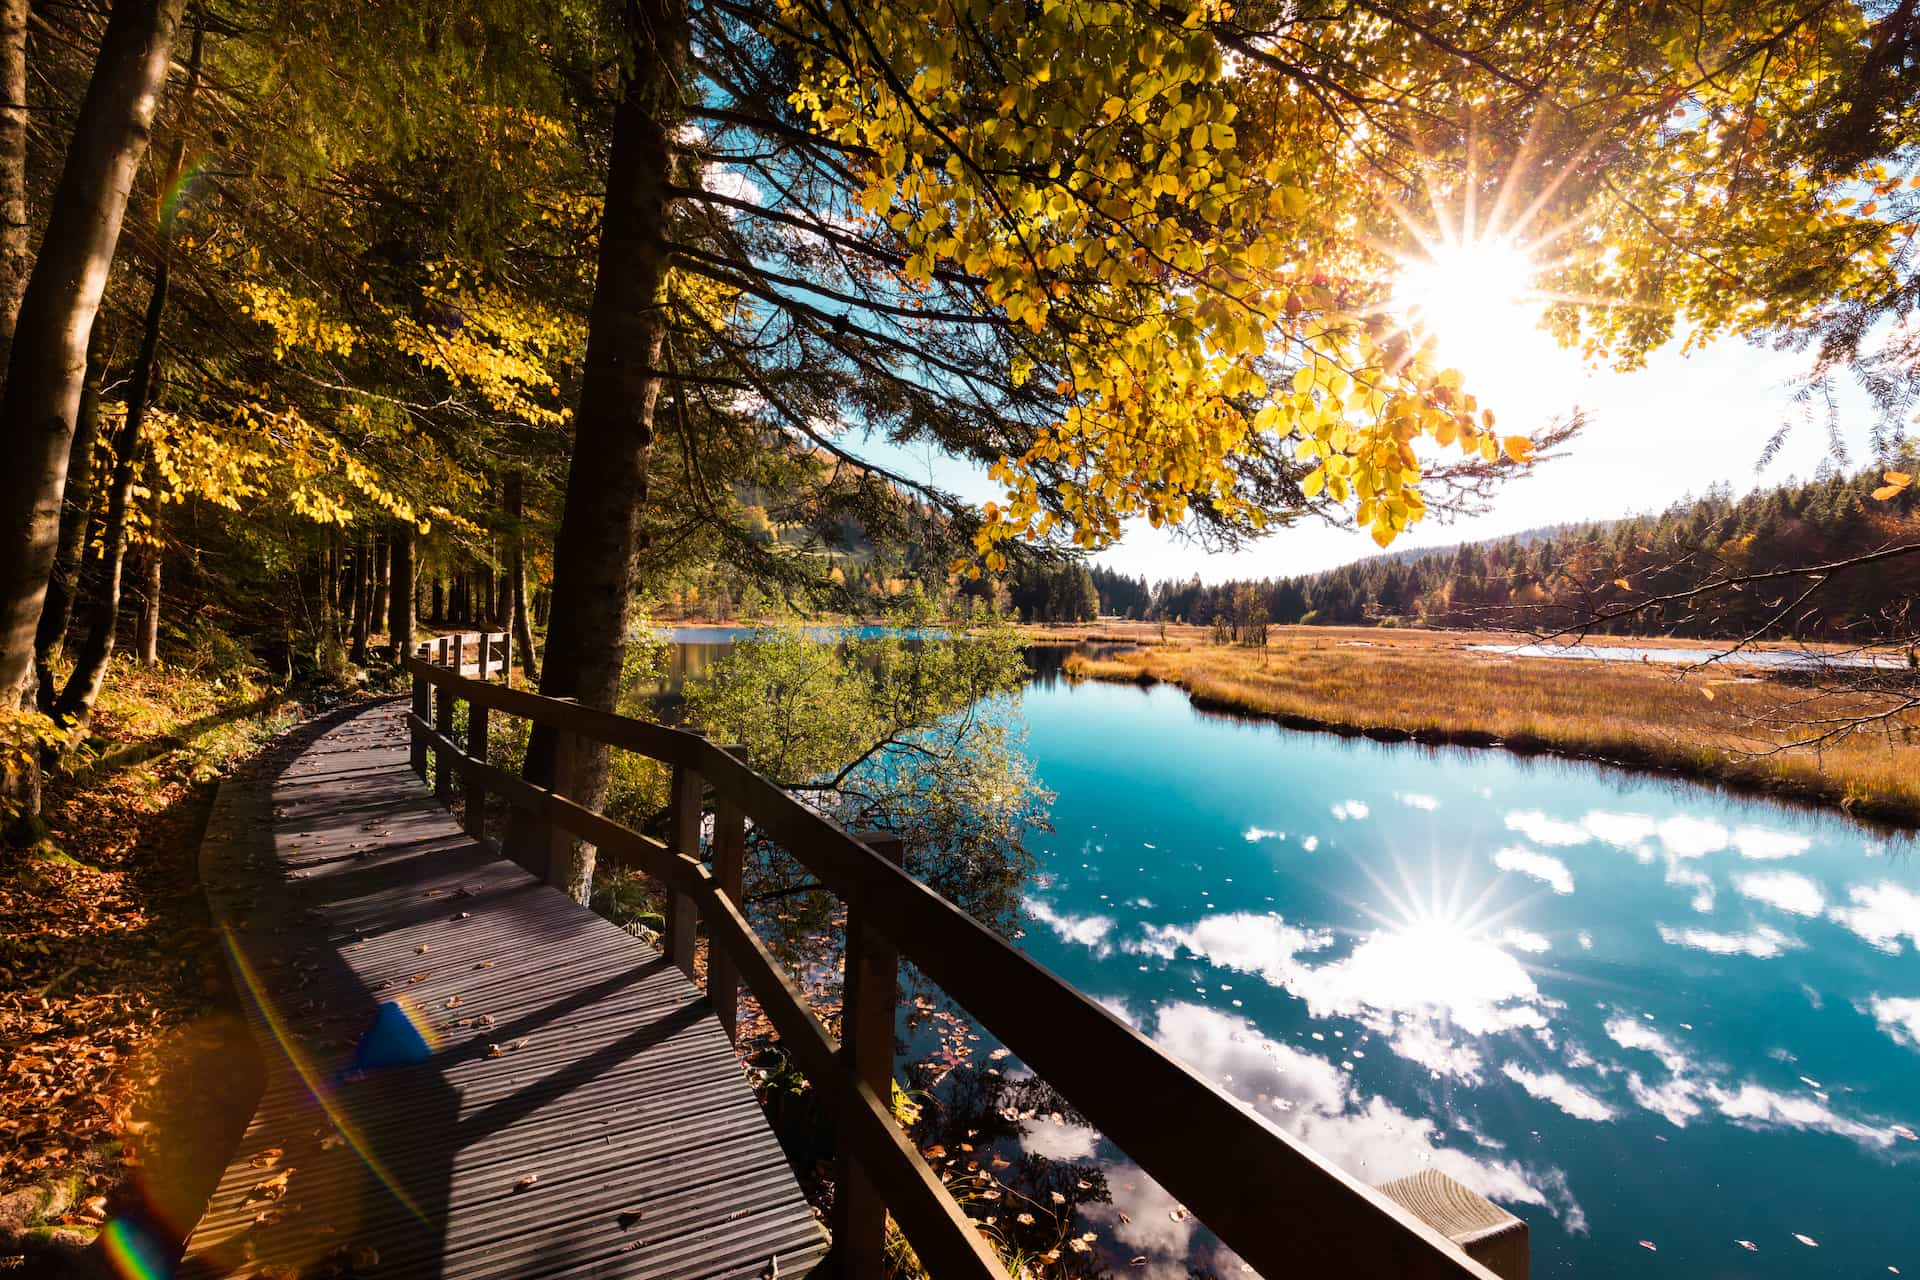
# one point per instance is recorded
(1627, 1009)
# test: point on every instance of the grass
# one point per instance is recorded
(1728, 725)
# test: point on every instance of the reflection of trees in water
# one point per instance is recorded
(972, 1127)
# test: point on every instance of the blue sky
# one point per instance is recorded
(1675, 427)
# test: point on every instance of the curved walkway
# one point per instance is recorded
(581, 1111)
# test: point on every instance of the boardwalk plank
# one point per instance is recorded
(612, 1134)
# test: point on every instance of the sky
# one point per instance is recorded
(1675, 427)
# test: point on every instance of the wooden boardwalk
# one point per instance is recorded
(582, 1112)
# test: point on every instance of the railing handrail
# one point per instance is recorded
(1269, 1197)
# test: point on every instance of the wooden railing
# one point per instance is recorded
(1286, 1210)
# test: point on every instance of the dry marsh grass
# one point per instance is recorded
(1429, 685)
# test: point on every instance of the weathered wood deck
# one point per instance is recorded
(582, 1114)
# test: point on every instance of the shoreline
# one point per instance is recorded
(1800, 779)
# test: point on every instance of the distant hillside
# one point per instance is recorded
(1560, 574)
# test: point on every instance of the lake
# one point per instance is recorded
(1634, 1011)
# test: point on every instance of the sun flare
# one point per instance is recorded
(1474, 299)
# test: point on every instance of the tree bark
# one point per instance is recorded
(153, 556)
(600, 528)
(16, 254)
(377, 610)
(517, 573)
(47, 363)
(76, 515)
(360, 589)
(75, 705)
(400, 596)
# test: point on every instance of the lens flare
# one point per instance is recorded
(132, 1252)
(325, 1089)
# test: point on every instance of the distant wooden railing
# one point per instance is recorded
(1284, 1209)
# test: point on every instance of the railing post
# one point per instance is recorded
(506, 657)
(416, 733)
(683, 837)
(443, 725)
(869, 1003)
(459, 653)
(440, 652)
(729, 876)
(476, 790)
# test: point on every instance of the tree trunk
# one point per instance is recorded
(600, 528)
(76, 514)
(75, 705)
(152, 557)
(16, 254)
(437, 611)
(377, 610)
(517, 574)
(47, 363)
(400, 597)
(359, 587)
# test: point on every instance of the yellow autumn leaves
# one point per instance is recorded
(1152, 268)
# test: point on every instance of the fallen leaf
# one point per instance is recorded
(1748, 1245)
(267, 1159)
(526, 1181)
(484, 964)
(1808, 1241)
(1648, 1246)
(453, 1002)
(628, 1220)
(422, 949)
(1057, 1197)
(366, 1258)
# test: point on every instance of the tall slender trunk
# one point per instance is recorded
(359, 586)
(377, 611)
(400, 597)
(75, 704)
(16, 254)
(48, 360)
(600, 529)
(76, 515)
(517, 573)
(153, 556)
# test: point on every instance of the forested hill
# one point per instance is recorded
(1562, 575)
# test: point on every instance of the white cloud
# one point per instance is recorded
(1758, 1107)
(1784, 890)
(1689, 1092)
(1563, 1093)
(1762, 845)
(1633, 1033)
(1058, 1141)
(1244, 940)
(1316, 1102)
(1310, 843)
(1762, 943)
(1418, 800)
(1899, 1017)
(1088, 931)
(1882, 914)
(1528, 941)
(1686, 837)
(1351, 809)
(1541, 829)
(1621, 830)
(1544, 867)
(1420, 987)
(1679, 873)
(1254, 835)
(1674, 1100)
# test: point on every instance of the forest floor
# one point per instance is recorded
(1728, 724)
(116, 1021)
